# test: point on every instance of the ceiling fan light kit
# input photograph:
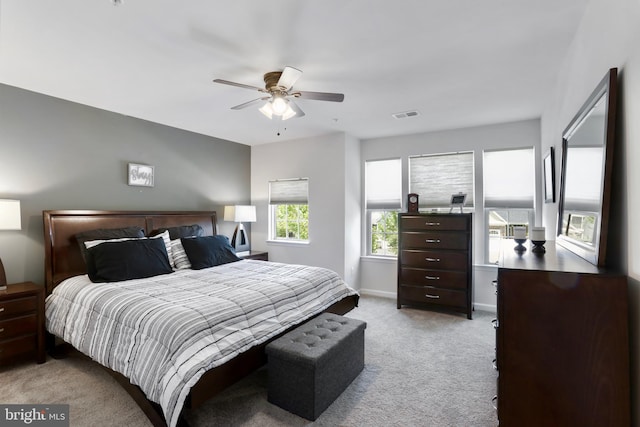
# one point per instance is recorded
(278, 85)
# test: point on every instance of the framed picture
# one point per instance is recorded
(549, 177)
(140, 175)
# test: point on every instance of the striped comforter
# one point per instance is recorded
(164, 332)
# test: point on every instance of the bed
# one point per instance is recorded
(65, 268)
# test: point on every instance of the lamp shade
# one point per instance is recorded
(10, 214)
(240, 213)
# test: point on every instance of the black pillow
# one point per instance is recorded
(183, 231)
(128, 259)
(208, 251)
(106, 234)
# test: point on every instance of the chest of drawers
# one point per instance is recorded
(22, 322)
(435, 261)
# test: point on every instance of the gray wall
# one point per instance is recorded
(56, 154)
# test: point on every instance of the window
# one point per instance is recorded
(383, 187)
(508, 179)
(289, 210)
(436, 177)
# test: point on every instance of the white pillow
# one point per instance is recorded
(180, 258)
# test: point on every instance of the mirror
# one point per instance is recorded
(585, 187)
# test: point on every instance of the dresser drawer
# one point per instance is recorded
(11, 348)
(16, 326)
(435, 222)
(431, 295)
(17, 306)
(436, 260)
(434, 240)
(433, 278)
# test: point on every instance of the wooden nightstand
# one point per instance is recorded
(22, 322)
(258, 255)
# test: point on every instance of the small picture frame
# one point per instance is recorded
(457, 200)
(140, 175)
(549, 177)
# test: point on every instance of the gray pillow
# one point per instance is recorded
(184, 231)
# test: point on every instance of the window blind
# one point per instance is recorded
(583, 186)
(383, 184)
(508, 178)
(289, 192)
(436, 177)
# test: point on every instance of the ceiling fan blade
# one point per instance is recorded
(288, 77)
(294, 107)
(227, 82)
(248, 103)
(320, 96)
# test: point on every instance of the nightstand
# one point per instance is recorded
(257, 255)
(22, 322)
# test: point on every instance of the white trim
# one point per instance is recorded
(288, 242)
(379, 259)
(485, 307)
(375, 293)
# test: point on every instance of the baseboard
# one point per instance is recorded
(485, 307)
(375, 293)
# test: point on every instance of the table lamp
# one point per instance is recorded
(240, 214)
(9, 220)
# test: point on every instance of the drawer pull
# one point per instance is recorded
(432, 224)
(433, 240)
(432, 277)
(432, 259)
(495, 324)
(495, 364)
(494, 402)
(1, 309)
(1, 330)
(432, 296)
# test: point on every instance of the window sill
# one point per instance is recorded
(288, 242)
(379, 259)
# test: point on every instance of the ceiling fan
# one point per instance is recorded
(280, 94)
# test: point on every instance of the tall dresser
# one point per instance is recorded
(435, 261)
(562, 341)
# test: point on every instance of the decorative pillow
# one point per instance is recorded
(180, 259)
(106, 233)
(127, 259)
(208, 251)
(184, 231)
(164, 236)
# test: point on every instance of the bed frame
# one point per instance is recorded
(63, 260)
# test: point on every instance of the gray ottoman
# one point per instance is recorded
(311, 366)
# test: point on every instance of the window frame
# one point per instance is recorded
(393, 204)
(298, 195)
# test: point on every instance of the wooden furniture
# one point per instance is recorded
(562, 341)
(257, 255)
(435, 261)
(22, 322)
(63, 260)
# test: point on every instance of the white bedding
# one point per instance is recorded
(164, 332)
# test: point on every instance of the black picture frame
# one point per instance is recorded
(548, 168)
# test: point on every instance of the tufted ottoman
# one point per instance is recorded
(311, 366)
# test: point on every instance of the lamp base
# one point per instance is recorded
(3, 277)
(240, 240)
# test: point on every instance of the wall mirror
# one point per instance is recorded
(585, 187)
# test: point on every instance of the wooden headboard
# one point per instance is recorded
(62, 258)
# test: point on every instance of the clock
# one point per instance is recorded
(412, 202)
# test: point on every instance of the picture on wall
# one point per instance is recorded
(549, 177)
(140, 175)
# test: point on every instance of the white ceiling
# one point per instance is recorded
(459, 63)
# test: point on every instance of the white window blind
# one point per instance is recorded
(436, 177)
(289, 192)
(508, 178)
(383, 184)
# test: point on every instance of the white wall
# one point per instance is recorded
(608, 36)
(378, 276)
(331, 163)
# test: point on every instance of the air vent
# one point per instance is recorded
(405, 114)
